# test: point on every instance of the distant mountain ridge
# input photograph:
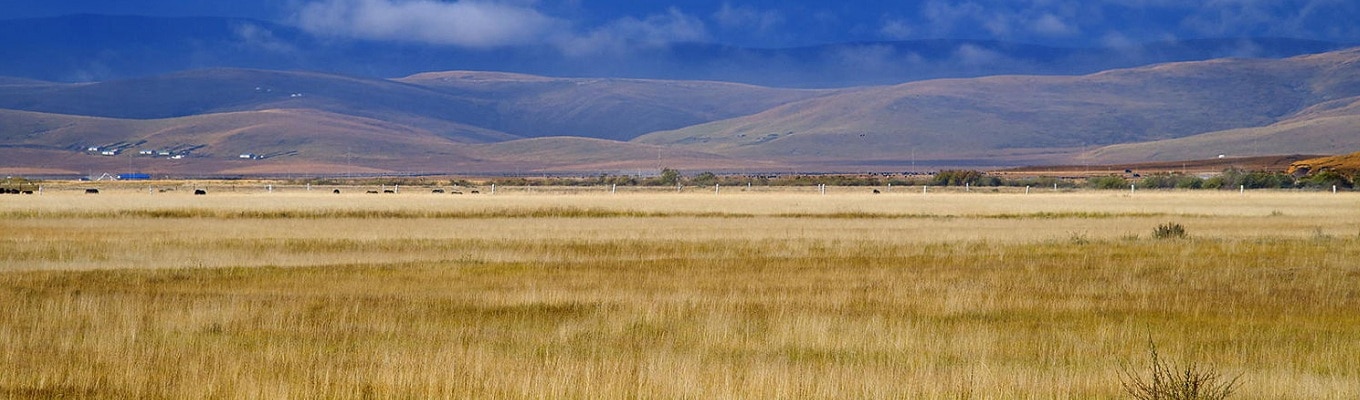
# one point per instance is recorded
(1034, 119)
(252, 121)
(81, 48)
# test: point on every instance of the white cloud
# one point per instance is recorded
(628, 32)
(255, 36)
(1052, 25)
(973, 56)
(467, 23)
(897, 29)
(748, 18)
(498, 23)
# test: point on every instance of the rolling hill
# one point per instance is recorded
(1037, 119)
(1329, 123)
(299, 141)
(615, 109)
(460, 121)
(504, 106)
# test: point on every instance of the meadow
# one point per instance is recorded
(759, 293)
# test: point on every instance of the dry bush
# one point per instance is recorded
(1165, 381)
(1170, 230)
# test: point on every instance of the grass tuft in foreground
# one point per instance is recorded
(1164, 381)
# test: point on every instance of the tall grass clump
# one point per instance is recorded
(1170, 230)
(1165, 381)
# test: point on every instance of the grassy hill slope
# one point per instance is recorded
(213, 142)
(999, 117)
(618, 109)
(231, 90)
(1347, 164)
(1329, 125)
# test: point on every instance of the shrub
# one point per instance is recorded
(1234, 178)
(1170, 230)
(669, 177)
(1170, 181)
(1108, 182)
(1326, 179)
(704, 179)
(1167, 382)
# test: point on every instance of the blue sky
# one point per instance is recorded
(589, 25)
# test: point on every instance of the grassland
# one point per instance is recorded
(758, 294)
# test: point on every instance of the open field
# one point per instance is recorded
(767, 293)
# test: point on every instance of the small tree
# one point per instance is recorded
(669, 177)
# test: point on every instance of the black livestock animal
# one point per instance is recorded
(876, 191)
(91, 191)
(437, 191)
(336, 191)
(200, 192)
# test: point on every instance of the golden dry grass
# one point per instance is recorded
(656, 295)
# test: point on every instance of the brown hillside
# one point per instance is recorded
(494, 122)
(616, 109)
(1278, 163)
(1348, 164)
(213, 142)
(997, 115)
(572, 154)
